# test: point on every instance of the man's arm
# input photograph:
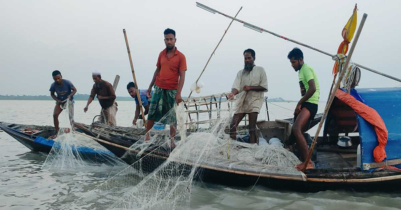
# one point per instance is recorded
(233, 93)
(153, 82)
(254, 88)
(54, 97)
(90, 99)
(74, 90)
(236, 86)
(262, 85)
(308, 94)
(178, 98)
(137, 109)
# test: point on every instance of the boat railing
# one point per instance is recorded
(208, 109)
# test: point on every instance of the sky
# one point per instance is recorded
(78, 37)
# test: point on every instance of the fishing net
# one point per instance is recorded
(74, 152)
(162, 178)
(108, 116)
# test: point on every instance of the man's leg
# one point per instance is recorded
(299, 125)
(154, 112)
(253, 117)
(146, 109)
(56, 113)
(112, 114)
(149, 125)
(173, 130)
(105, 116)
(234, 124)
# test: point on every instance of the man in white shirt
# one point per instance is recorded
(250, 85)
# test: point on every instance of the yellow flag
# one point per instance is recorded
(347, 34)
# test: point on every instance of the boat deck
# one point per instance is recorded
(333, 156)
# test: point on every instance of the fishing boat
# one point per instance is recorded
(37, 138)
(335, 166)
(349, 161)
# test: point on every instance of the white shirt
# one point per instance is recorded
(250, 101)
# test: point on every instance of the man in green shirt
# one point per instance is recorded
(307, 107)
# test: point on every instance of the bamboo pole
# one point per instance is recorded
(332, 95)
(207, 63)
(133, 75)
(259, 29)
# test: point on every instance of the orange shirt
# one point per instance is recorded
(170, 69)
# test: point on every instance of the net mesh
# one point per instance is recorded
(162, 178)
(74, 152)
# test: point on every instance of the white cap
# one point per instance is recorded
(95, 72)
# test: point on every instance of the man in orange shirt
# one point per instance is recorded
(167, 81)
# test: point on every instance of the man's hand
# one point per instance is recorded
(230, 96)
(148, 93)
(246, 88)
(297, 109)
(134, 122)
(85, 109)
(178, 98)
(59, 102)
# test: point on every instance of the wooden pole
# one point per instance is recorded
(259, 29)
(133, 75)
(332, 95)
(115, 83)
(207, 63)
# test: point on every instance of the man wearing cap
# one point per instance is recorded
(65, 91)
(167, 81)
(132, 90)
(106, 96)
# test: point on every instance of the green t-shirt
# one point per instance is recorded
(305, 74)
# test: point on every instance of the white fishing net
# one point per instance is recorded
(74, 152)
(159, 178)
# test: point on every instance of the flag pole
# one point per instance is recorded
(349, 27)
(336, 87)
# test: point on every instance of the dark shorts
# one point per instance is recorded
(312, 109)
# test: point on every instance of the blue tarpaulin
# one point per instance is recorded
(387, 102)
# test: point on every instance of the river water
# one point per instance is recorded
(24, 185)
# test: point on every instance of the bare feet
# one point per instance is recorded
(147, 137)
(300, 167)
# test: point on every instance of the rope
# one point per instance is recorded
(282, 107)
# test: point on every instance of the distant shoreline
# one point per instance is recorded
(84, 97)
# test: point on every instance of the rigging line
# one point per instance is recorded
(282, 107)
(225, 32)
(260, 30)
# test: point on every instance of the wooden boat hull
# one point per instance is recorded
(315, 180)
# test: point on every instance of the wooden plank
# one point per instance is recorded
(203, 103)
(367, 166)
(367, 180)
